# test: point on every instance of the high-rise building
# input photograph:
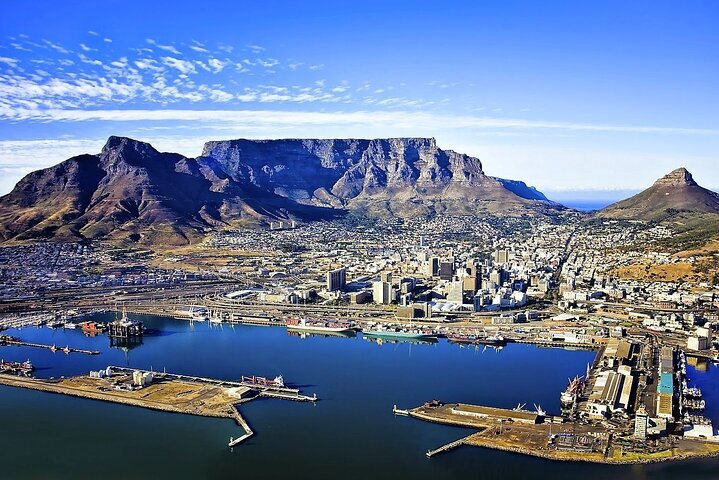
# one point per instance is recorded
(641, 422)
(501, 256)
(446, 270)
(336, 279)
(433, 267)
(386, 277)
(456, 292)
(382, 292)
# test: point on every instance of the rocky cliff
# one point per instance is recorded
(401, 176)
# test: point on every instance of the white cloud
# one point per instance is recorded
(198, 47)
(85, 59)
(168, 48)
(422, 120)
(256, 48)
(183, 66)
(9, 61)
(216, 64)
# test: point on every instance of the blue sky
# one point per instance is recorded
(567, 96)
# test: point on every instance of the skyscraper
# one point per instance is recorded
(336, 279)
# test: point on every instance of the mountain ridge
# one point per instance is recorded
(131, 191)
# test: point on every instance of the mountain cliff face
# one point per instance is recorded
(402, 176)
(130, 191)
(675, 192)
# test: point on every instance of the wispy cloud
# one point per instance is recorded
(283, 117)
(183, 66)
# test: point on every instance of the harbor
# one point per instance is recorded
(217, 356)
(633, 405)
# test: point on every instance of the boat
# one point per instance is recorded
(493, 340)
(320, 326)
(19, 368)
(400, 333)
(569, 396)
(92, 328)
(496, 340)
(277, 382)
(462, 338)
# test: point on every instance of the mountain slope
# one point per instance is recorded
(675, 192)
(130, 191)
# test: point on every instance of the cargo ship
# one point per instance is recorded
(399, 333)
(319, 326)
(277, 382)
(569, 396)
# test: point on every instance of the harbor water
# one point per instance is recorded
(350, 433)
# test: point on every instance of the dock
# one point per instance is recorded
(7, 340)
(285, 393)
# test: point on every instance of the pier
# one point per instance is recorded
(450, 446)
(7, 340)
(285, 393)
(244, 425)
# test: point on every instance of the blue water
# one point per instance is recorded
(350, 433)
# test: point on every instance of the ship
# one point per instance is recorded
(319, 326)
(400, 333)
(92, 328)
(569, 396)
(277, 382)
(476, 339)
(18, 368)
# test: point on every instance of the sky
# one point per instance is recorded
(580, 99)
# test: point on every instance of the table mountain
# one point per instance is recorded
(130, 191)
(396, 176)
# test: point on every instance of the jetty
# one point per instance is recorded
(8, 340)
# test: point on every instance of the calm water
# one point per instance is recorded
(351, 433)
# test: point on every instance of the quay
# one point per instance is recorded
(169, 392)
(274, 391)
(539, 435)
(8, 340)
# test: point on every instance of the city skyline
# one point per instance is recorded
(566, 98)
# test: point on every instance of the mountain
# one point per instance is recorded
(130, 191)
(674, 193)
(397, 176)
